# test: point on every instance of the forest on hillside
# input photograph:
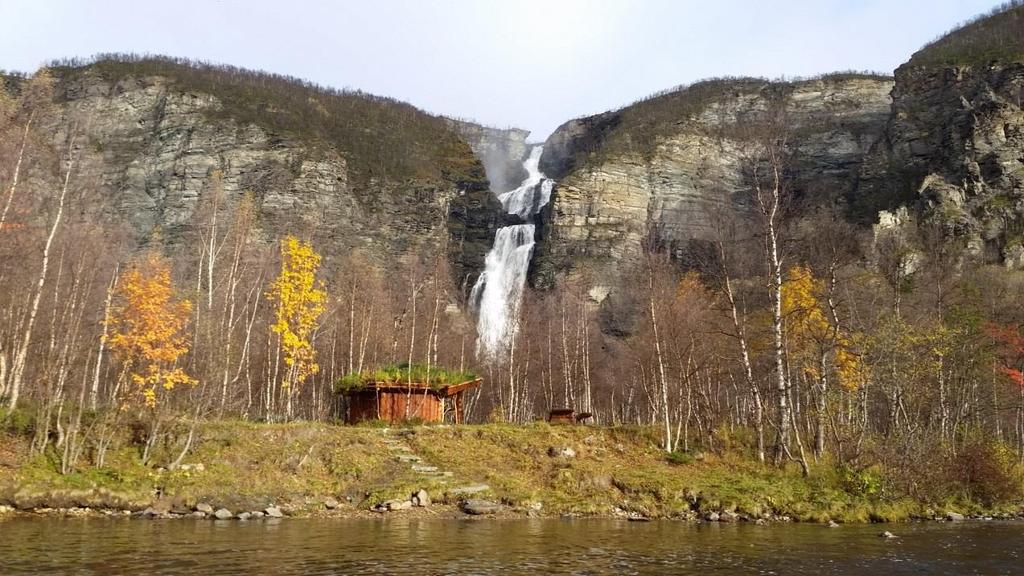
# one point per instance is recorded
(997, 35)
(799, 340)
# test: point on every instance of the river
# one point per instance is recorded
(531, 546)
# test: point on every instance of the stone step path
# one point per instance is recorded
(468, 490)
(403, 453)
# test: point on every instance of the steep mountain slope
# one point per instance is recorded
(948, 144)
(671, 165)
(350, 170)
(953, 148)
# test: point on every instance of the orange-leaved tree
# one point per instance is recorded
(148, 329)
(299, 300)
(1010, 351)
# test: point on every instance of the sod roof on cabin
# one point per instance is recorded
(417, 376)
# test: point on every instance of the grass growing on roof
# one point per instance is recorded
(402, 374)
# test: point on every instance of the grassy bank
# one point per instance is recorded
(534, 469)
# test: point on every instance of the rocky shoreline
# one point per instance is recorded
(83, 504)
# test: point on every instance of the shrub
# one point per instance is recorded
(21, 422)
(680, 458)
(988, 472)
(864, 482)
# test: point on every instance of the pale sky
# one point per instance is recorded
(530, 63)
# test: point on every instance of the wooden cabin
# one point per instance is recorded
(395, 402)
(567, 416)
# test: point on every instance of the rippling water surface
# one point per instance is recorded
(406, 546)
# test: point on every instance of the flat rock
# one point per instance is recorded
(274, 512)
(331, 503)
(480, 507)
(424, 469)
(244, 515)
(887, 534)
(954, 517)
(407, 458)
(395, 505)
(467, 490)
(223, 514)
(204, 508)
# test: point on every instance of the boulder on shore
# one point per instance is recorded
(420, 498)
(561, 452)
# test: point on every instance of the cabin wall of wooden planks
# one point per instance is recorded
(363, 406)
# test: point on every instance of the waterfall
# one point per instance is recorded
(499, 289)
(524, 200)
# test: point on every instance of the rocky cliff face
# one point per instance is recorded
(954, 151)
(150, 145)
(502, 151)
(667, 167)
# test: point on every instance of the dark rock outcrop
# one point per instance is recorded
(953, 151)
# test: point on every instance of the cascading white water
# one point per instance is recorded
(524, 200)
(499, 289)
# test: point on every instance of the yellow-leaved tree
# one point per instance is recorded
(816, 345)
(811, 335)
(148, 330)
(299, 300)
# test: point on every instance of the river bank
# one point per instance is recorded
(245, 470)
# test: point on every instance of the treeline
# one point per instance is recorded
(997, 35)
(381, 137)
(796, 338)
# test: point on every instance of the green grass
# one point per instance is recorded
(615, 468)
(402, 373)
(244, 464)
(624, 468)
